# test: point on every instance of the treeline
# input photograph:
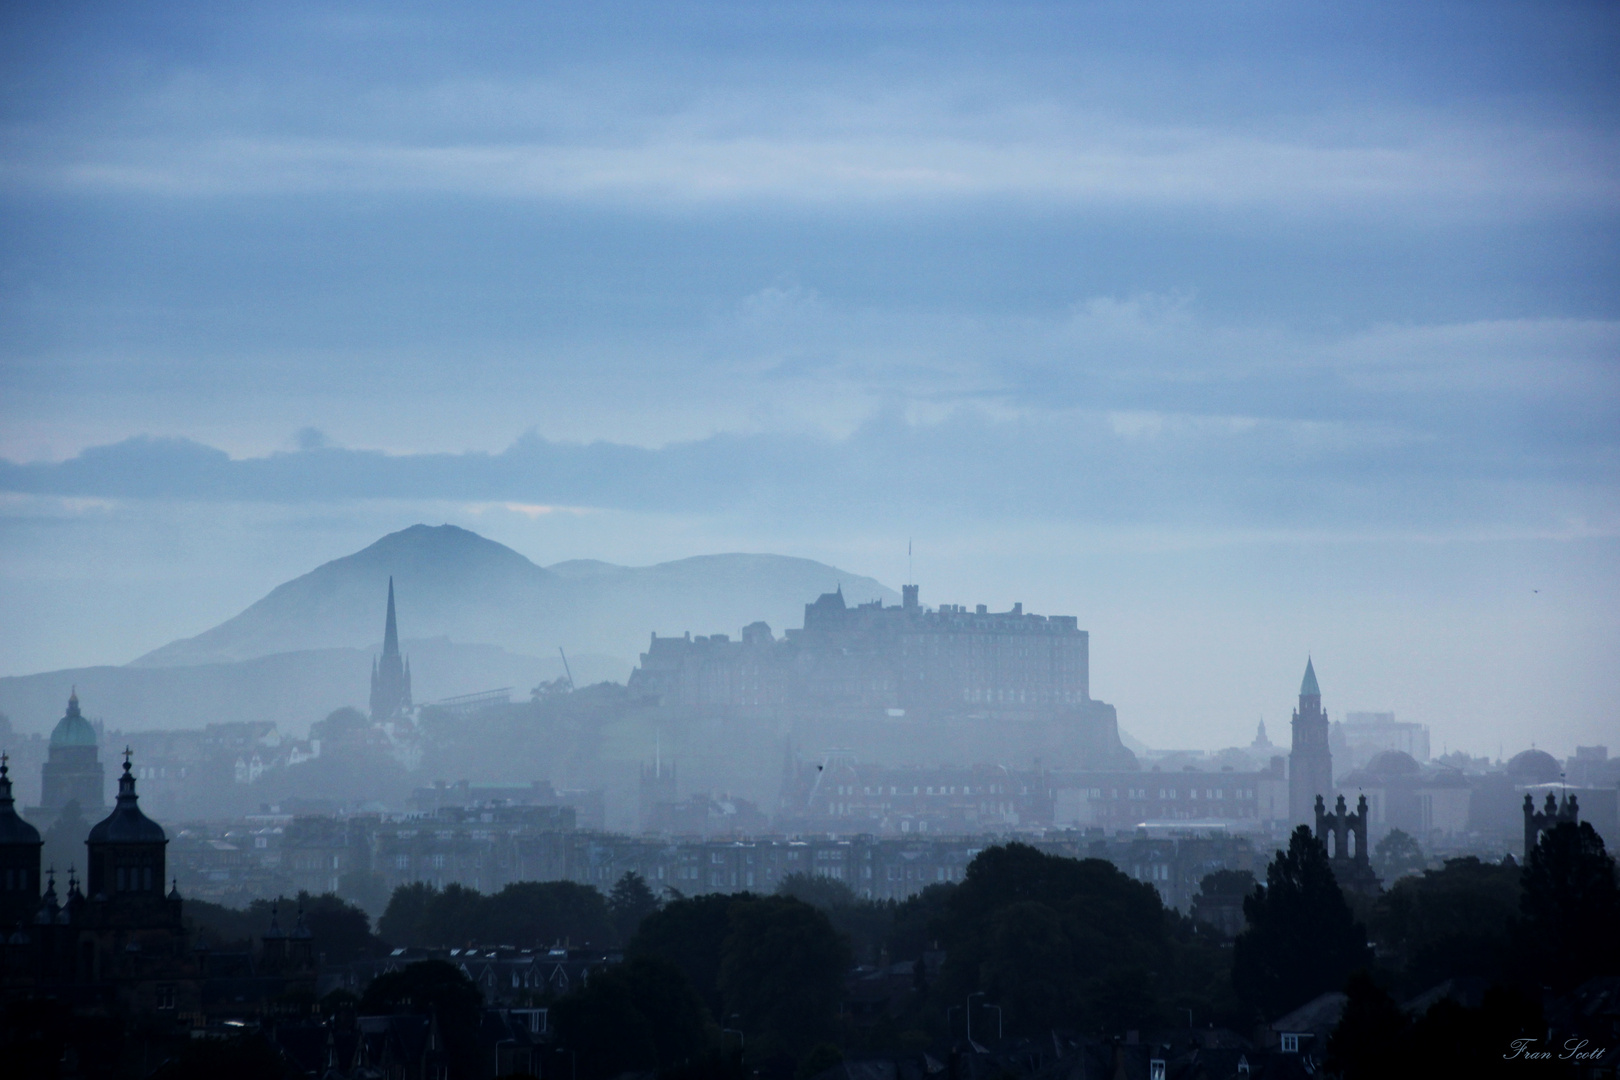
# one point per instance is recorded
(1034, 943)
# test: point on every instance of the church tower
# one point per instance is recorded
(1310, 762)
(19, 859)
(391, 674)
(72, 771)
(127, 857)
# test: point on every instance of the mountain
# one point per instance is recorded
(474, 615)
(454, 583)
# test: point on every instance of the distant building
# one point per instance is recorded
(1361, 736)
(1244, 801)
(905, 659)
(72, 772)
(844, 796)
(120, 945)
(391, 673)
(1310, 762)
(1417, 799)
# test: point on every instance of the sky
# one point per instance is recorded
(1242, 331)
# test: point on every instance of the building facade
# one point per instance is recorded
(895, 660)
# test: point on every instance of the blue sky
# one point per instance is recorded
(1236, 330)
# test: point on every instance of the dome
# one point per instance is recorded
(13, 829)
(126, 824)
(73, 729)
(1533, 767)
(1392, 763)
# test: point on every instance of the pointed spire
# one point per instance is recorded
(391, 629)
(1307, 685)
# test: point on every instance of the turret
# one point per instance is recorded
(19, 858)
(126, 850)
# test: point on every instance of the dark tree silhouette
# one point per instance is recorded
(1302, 939)
(641, 1016)
(1448, 922)
(1571, 907)
(438, 989)
(1396, 855)
(691, 934)
(630, 902)
(782, 973)
(1368, 1038)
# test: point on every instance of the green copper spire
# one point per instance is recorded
(1307, 686)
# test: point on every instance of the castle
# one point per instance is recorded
(895, 661)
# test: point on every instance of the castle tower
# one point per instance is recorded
(127, 856)
(391, 674)
(19, 859)
(1310, 762)
(72, 771)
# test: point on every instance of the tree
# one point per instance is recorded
(782, 972)
(817, 890)
(1448, 922)
(691, 934)
(1302, 939)
(365, 889)
(630, 902)
(1028, 965)
(1397, 855)
(641, 1016)
(433, 988)
(1369, 1033)
(537, 914)
(1571, 907)
(1114, 932)
(405, 920)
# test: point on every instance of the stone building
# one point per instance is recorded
(887, 660)
(1310, 761)
(390, 673)
(72, 772)
(120, 942)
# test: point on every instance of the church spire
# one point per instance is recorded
(390, 676)
(1307, 685)
(391, 630)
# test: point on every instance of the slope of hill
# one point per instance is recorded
(292, 689)
(455, 583)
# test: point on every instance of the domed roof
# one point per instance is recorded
(13, 829)
(1533, 767)
(126, 824)
(73, 729)
(1394, 763)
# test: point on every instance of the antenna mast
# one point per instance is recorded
(570, 674)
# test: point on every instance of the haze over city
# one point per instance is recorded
(804, 541)
(1240, 335)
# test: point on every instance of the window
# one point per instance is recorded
(1290, 1043)
(165, 996)
(1156, 1069)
